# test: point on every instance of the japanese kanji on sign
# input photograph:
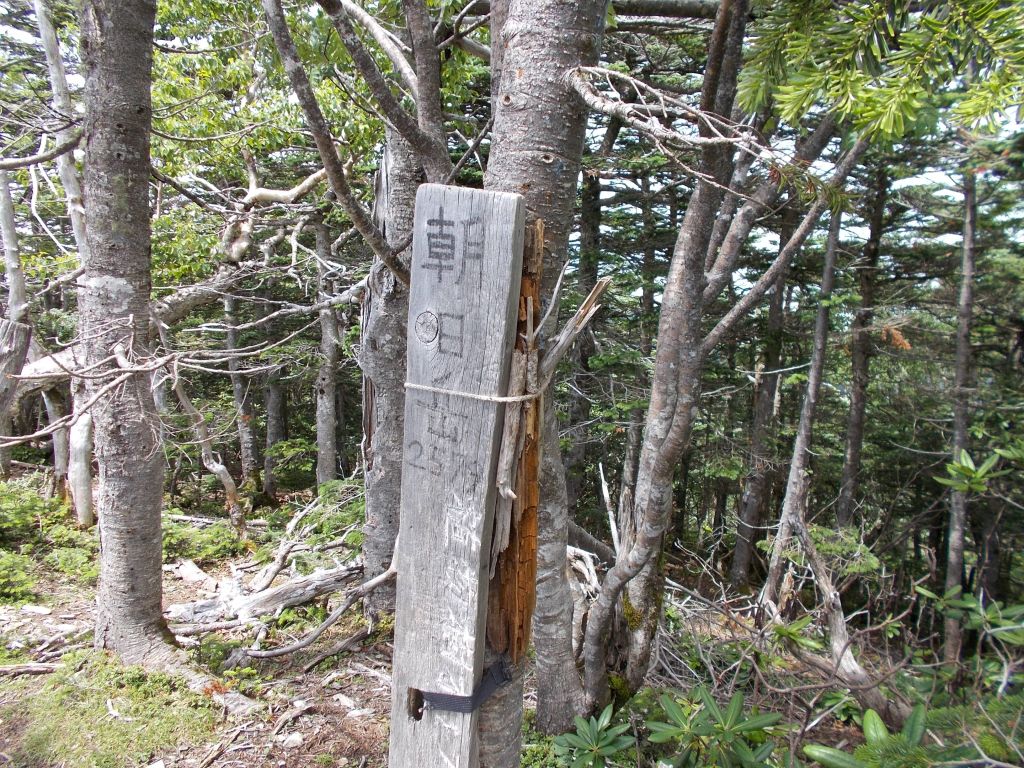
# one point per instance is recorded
(466, 266)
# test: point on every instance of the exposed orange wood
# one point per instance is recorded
(513, 589)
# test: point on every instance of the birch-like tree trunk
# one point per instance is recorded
(80, 439)
(961, 415)
(327, 373)
(80, 469)
(117, 42)
(14, 329)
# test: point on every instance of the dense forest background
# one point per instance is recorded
(778, 512)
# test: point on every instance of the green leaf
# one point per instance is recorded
(664, 734)
(734, 710)
(758, 722)
(673, 710)
(832, 758)
(765, 751)
(574, 740)
(987, 464)
(710, 703)
(913, 728)
(875, 731)
(966, 460)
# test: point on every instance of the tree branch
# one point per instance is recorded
(12, 163)
(433, 155)
(393, 48)
(743, 221)
(300, 190)
(767, 280)
(324, 141)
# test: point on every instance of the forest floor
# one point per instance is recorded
(321, 705)
(335, 715)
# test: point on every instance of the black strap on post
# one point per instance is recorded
(496, 676)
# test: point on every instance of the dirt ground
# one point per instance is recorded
(335, 715)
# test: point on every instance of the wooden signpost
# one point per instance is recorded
(466, 267)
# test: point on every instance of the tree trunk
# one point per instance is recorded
(798, 484)
(537, 145)
(80, 451)
(674, 394)
(80, 469)
(961, 415)
(844, 664)
(17, 301)
(55, 411)
(14, 339)
(117, 41)
(245, 415)
(15, 333)
(382, 360)
(860, 353)
(749, 526)
(275, 401)
(326, 379)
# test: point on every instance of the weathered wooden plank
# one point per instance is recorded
(467, 259)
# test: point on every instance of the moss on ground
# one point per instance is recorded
(96, 713)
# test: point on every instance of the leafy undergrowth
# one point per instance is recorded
(95, 713)
(38, 536)
(204, 546)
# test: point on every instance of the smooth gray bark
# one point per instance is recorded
(81, 446)
(117, 38)
(674, 395)
(961, 415)
(79, 469)
(326, 379)
(17, 302)
(14, 330)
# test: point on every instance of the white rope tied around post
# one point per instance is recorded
(475, 396)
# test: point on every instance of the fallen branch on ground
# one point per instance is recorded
(244, 607)
(14, 670)
(356, 594)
